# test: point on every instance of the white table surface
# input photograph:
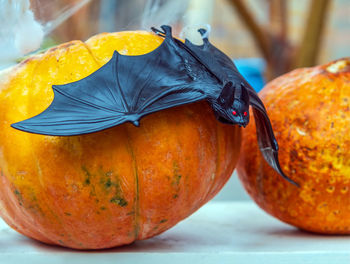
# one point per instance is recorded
(220, 232)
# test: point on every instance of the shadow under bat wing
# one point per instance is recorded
(124, 89)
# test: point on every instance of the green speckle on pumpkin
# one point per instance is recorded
(68, 214)
(19, 196)
(61, 242)
(108, 183)
(103, 208)
(163, 221)
(177, 175)
(119, 201)
(87, 180)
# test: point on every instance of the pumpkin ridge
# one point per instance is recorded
(9, 204)
(48, 235)
(54, 216)
(91, 53)
(13, 210)
(209, 193)
(49, 206)
(30, 84)
(217, 164)
(36, 59)
(137, 195)
(184, 185)
(33, 230)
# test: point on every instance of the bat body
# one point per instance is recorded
(129, 87)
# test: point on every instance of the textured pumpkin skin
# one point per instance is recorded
(309, 109)
(112, 187)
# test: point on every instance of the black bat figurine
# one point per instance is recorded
(129, 87)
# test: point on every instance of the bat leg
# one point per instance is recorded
(136, 123)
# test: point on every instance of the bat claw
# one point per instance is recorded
(136, 123)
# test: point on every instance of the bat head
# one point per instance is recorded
(232, 106)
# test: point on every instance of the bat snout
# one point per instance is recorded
(242, 124)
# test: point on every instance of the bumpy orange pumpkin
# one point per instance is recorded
(111, 187)
(310, 113)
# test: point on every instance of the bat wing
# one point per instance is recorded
(266, 139)
(124, 89)
(85, 106)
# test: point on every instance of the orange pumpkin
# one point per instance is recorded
(112, 187)
(309, 109)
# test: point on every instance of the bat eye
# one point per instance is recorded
(234, 112)
(245, 113)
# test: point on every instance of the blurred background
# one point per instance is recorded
(266, 38)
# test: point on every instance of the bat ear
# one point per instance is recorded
(241, 93)
(204, 35)
(226, 96)
(165, 33)
(166, 29)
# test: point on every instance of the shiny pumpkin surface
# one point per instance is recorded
(112, 187)
(310, 114)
